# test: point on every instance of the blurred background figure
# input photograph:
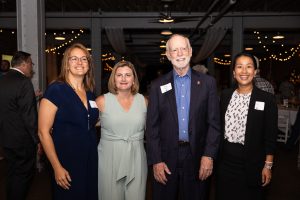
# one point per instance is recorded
(286, 89)
(260, 82)
(295, 133)
(201, 68)
(18, 126)
(5, 65)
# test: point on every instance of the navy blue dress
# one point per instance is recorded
(74, 137)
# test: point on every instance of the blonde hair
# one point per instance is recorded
(111, 82)
(88, 81)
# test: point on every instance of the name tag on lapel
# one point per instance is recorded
(93, 104)
(165, 88)
(259, 105)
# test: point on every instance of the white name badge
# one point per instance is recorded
(259, 105)
(165, 88)
(93, 104)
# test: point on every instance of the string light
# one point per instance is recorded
(222, 61)
(283, 56)
(65, 43)
(108, 57)
(295, 78)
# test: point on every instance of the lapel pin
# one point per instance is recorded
(198, 82)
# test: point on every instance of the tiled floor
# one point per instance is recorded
(285, 184)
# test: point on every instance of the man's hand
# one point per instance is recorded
(159, 170)
(206, 167)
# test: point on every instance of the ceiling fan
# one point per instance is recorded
(166, 17)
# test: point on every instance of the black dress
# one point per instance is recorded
(75, 141)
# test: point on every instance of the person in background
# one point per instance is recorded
(183, 127)
(5, 65)
(200, 68)
(295, 133)
(122, 157)
(67, 117)
(260, 82)
(18, 126)
(249, 127)
(286, 89)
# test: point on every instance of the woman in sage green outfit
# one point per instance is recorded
(122, 171)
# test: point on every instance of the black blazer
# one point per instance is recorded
(261, 131)
(162, 121)
(18, 112)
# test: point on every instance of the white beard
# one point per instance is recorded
(181, 64)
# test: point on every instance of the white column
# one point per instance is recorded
(31, 36)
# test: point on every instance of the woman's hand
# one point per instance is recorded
(62, 178)
(266, 176)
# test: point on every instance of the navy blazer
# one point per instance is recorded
(162, 132)
(261, 131)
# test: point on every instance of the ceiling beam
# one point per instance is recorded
(141, 20)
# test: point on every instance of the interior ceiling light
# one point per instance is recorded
(166, 32)
(162, 46)
(166, 20)
(248, 48)
(278, 37)
(227, 55)
(60, 38)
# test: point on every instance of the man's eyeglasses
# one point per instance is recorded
(30, 63)
(75, 59)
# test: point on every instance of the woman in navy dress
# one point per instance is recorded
(67, 118)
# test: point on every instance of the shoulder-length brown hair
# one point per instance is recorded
(88, 81)
(111, 82)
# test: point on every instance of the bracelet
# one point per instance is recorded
(210, 158)
(268, 165)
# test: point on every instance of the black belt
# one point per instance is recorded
(183, 143)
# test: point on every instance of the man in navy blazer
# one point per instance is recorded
(183, 127)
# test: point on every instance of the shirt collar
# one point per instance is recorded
(18, 70)
(188, 74)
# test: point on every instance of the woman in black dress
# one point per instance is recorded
(249, 127)
(67, 117)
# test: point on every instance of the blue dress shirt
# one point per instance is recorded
(183, 93)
